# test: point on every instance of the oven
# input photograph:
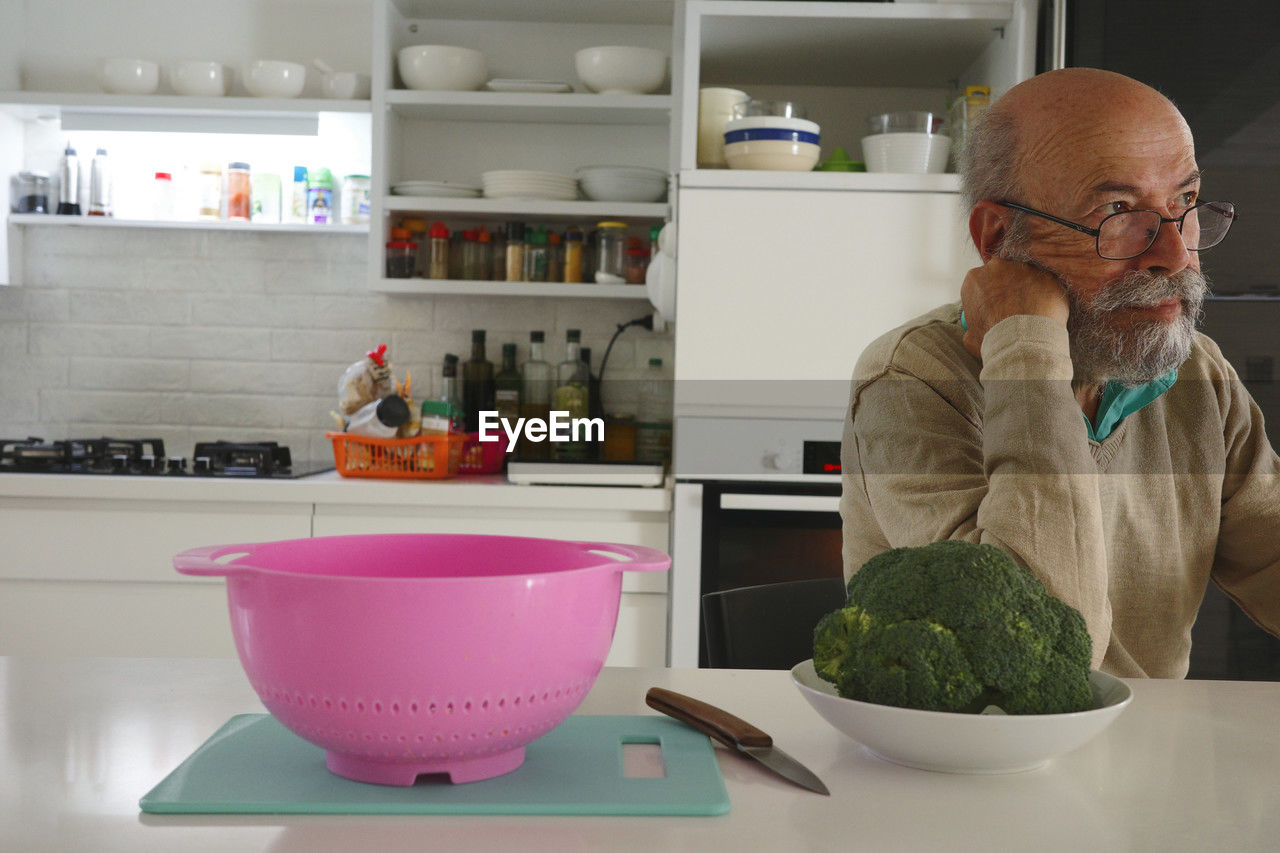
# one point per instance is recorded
(756, 501)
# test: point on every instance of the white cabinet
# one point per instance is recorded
(784, 277)
(454, 137)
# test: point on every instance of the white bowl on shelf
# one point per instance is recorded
(346, 85)
(621, 69)
(909, 153)
(199, 78)
(120, 76)
(772, 154)
(442, 67)
(622, 183)
(274, 78)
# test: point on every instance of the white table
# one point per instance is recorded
(1188, 766)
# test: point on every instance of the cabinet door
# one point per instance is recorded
(785, 285)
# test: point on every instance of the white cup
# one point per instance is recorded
(715, 108)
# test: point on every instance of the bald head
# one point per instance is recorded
(1053, 126)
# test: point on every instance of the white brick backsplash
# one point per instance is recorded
(252, 377)
(26, 303)
(83, 339)
(74, 405)
(13, 339)
(253, 310)
(134, 374)
(105, 306)
(188, 335)
(212, 343)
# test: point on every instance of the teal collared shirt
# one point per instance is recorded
(1118, 402)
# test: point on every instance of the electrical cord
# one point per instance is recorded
(645, 321)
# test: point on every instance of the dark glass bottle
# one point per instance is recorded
(506, 386)
(573, 394)
(537, 385)
(450, 392)
(477, 383)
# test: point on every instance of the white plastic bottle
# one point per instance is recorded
(653, 415)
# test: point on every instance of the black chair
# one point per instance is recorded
(768, 626)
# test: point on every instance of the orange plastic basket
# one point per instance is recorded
(426, 456)
(483, 457)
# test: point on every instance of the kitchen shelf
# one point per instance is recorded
(864, 44)
(752, 179)
(425, 286)
(541, 209)
(44, 219)
(33, 105)
(542, 107)
(542, 11)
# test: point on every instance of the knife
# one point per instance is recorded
(734, 733)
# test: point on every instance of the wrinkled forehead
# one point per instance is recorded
(1072, 149)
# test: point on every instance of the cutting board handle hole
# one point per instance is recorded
(642, 758)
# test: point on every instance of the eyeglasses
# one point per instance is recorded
(1130, 233)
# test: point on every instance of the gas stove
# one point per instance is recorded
(146, 457)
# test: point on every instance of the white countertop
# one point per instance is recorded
(1188, 766)
(487, 491)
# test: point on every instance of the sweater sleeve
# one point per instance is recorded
(1247, 561)
(1019, 477)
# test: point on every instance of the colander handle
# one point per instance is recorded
(203, 561)
(642, 559)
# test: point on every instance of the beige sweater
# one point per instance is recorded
(1128, 530)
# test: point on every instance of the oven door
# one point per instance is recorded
(731, 534)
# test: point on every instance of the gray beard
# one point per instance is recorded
(1100, 350)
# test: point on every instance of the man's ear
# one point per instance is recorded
(987, 225)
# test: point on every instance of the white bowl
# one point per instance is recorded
(273, 78)
(775, 154)
(129, 76)
(622, 183)
(621, 70)
(779, 122)
(442, 67)
(198, 78)
(963, 743)
(912, 153)
(346, 85)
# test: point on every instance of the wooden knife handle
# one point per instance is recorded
(708, 719)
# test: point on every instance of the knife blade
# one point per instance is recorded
(735, 733)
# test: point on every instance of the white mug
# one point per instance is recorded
(715, 108)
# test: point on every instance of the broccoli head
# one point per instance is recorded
(954, 626)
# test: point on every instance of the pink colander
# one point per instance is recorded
(422, 653)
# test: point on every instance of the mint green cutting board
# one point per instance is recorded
(254, 765)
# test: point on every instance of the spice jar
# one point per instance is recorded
(438, 264)
(417, 229)
(471, 256)
(536, 255)
(238, 192)
(555, 257)
(483, 250)
(515, 251)
(356, 191)
(29, 192)
(611, 247)
(637, 261)
(400, 256)
(209, 192)
(572, 255)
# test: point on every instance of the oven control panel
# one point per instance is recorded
(821, 457)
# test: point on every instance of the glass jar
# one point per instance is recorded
(355, 199)
(400, 258)
(611, 249)
(637, 261)
(238, 192)
(29, 192)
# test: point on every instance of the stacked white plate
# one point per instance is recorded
(436, 189)
(522, 183)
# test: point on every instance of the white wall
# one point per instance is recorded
(191, 336)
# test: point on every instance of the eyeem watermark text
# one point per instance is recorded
(559, 427)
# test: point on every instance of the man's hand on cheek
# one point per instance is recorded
(1001, 288)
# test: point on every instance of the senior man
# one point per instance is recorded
(1066, 410)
